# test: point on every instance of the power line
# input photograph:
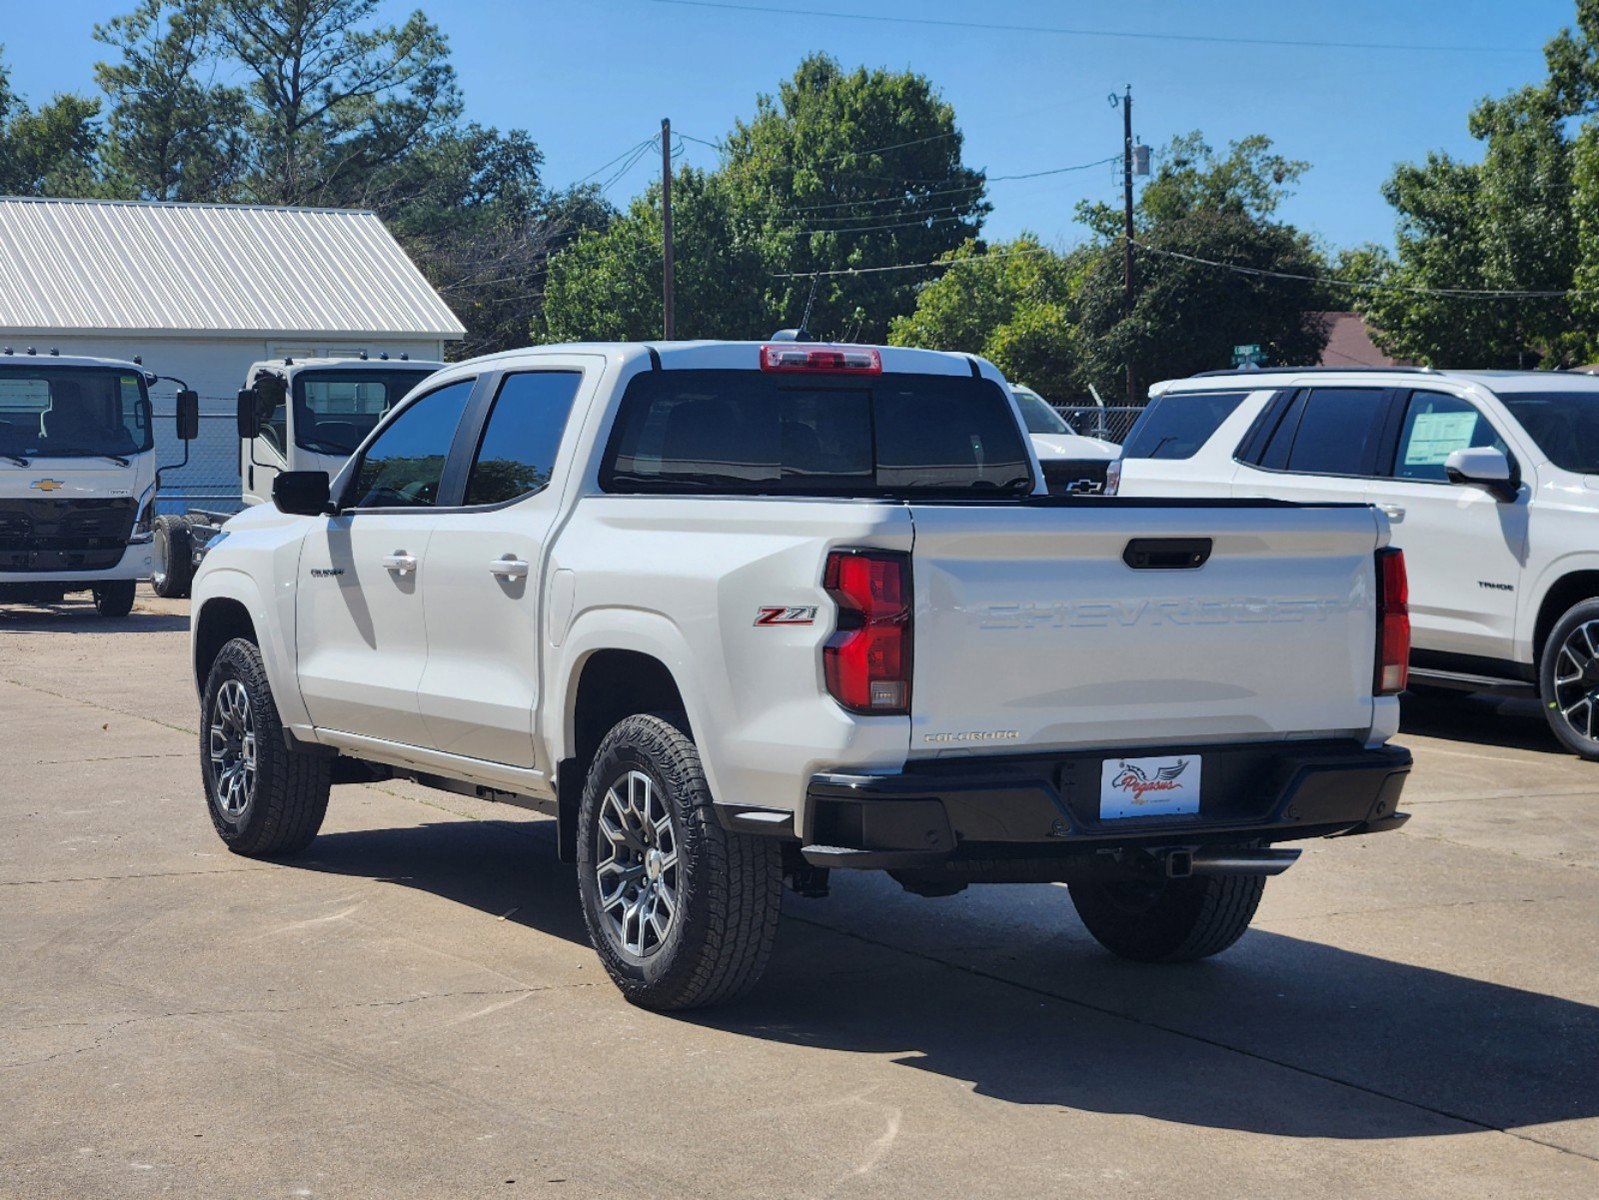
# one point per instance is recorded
(1452, 293)
(937, 262)
(992, 27)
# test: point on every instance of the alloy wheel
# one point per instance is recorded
(231, 745)
(637, 864)
(1577, 679)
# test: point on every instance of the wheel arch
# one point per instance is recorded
(219, 621)
(1570, 588)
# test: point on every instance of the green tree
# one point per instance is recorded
(1012, 304)
(173, 132)
(49, 151)
(333, 101)
(1199, 209)
(851, 170)
(608, 284)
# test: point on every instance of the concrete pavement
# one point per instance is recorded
(411, 1008)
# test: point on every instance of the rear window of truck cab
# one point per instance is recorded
(759, 433)
(1177, 424)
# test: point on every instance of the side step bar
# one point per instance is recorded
(1466, 681)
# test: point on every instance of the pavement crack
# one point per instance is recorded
(1189, 1035)
(134, 875)
(516, 993)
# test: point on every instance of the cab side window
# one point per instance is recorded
(1435, 427)
(404, 467)
(517, 452)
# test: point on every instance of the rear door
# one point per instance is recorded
(1317, 444)
(1035, 630)
(479, 690)
(362, 640)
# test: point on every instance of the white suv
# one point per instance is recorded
(1489, 479)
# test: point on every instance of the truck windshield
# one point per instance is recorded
(1564, 424)
(1037, 415)
(756, 433)
(334, 410)
(72, 412)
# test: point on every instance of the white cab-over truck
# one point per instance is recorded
(739, 613)
(78, 477)
(294, 414)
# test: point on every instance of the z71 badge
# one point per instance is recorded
(780, 614)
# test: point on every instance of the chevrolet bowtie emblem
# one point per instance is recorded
(48, 485)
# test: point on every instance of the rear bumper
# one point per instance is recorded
(1046, 808)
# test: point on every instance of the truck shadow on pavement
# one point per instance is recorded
(81, 618)
(1281, 1035)
(1514, 724)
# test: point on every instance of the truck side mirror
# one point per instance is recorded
(188, 415)
(1485, 467)
(249, 415)
(301, 493)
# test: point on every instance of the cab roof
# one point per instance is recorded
(1498, 382)
(374, 363)
(11, 356)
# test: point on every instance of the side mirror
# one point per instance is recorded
(301, 493)
(1485, 467)
(188, 415)
(249, 416)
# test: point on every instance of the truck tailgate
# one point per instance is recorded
(1038, 628)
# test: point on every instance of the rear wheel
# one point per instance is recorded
(265, 798)
(1568, 679)
(114, 599)
(682, 913)
(174, 558)
(1168, 920)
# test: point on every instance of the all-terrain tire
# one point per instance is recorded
(276, 808)
(114, 599)
(727, 887)
(1572, 708)
(174, 558)
(1169, 920)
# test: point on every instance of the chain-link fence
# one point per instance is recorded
(211, 479)
(1111, 423)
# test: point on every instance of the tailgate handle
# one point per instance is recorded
(1166, 554)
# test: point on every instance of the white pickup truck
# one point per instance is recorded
(739, 613)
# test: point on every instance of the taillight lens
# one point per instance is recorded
(1393, 623)
(868, 658)
(833, 360)
(1113, 477)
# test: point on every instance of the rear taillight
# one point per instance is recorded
(1113, 477)
(1393, 624)
(835, 360)
(868, 658)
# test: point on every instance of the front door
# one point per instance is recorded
(361, 637)
(1464, 547)
(480, 688)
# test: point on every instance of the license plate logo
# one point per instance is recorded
(1149, 787)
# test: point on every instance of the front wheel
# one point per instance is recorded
(114, 599)
(173, 548)
(1568, 679)
(265, 797)
(682, 913)
(1168, 920)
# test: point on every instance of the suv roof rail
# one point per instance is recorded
(1302, 370)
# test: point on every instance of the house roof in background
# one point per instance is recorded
(80, 266)
(1349, 345)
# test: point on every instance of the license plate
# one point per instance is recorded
(1149, 787)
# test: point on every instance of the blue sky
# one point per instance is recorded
(590, 78)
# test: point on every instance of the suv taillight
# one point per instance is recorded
(868, 658)
(1393, 623)
(1113, 477)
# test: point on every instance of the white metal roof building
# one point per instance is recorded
(203, 290)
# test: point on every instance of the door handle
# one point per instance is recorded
(1394, 512)
(508, 568)
(399, 562)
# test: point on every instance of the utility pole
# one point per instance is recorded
(668, 299)
(1127, 203)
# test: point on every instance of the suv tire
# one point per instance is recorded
(1568, 679)
(114, 599)
(174, 558)
(1168, 920)
(265, 798)
(682, 912)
